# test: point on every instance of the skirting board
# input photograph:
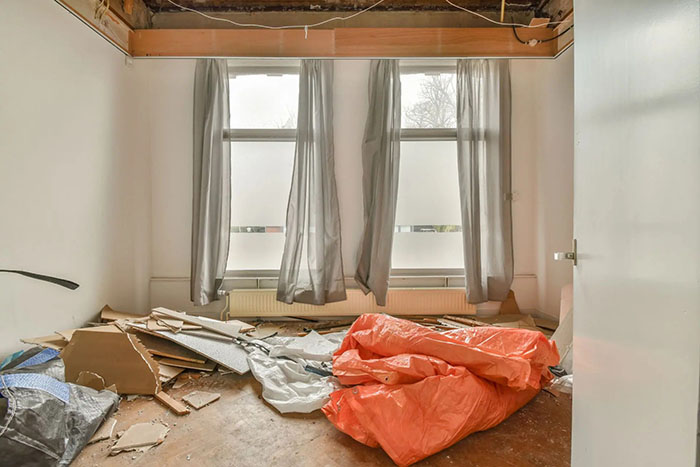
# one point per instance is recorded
(173, 293)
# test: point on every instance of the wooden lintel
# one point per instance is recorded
(345, 42)
(108, 24)
(565, 40)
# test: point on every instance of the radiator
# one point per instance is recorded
(419, 301)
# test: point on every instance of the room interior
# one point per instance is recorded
(98, 106)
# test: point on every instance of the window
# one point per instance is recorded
(262, 132)
(428, 222)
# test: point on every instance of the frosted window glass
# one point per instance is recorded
(428, 220)
(427, 250)
(428, 184)
(254, 251)
(261, 101)
(261, 176)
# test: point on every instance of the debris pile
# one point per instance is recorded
(303, 365)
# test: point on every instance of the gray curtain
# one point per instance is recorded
(312, 266)
(211, 201)
(483, 148)
(380, 165)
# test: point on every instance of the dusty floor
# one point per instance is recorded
(242, 430)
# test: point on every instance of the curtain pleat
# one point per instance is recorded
(312, 266)
(380, 164)
(211, 201)
(484, 168)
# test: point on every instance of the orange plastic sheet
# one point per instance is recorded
(417, 391)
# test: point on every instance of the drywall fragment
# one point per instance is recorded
(107, 314)
(90, 380)
(207, 366)
(118, 357)
(225, 353)
(168, 372)
(199, 399)
(67, 334)
(219, 327)
(139, 436)
(162, 347)
(51, 342)
(174, 405)
(105, 431)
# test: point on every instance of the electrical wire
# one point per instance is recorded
(358, 13)
(288, 26)
(538, 41)
(500, 23)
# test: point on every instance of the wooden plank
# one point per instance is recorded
(565, 40)
(207, 366)
(439, 42)
(174, 405)
(110, 25)
(341, 42)
(231, 43)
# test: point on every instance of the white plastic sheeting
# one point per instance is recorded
(287, 385)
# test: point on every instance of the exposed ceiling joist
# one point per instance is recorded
(386, 39)
(337, 5)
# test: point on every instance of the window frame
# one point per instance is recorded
(409, 67)
(258, 135)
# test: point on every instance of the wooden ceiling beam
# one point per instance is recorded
(345, 42)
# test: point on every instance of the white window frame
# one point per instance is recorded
(252, 278)
(450, 277)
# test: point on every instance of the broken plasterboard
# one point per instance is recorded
(140, 435)
(167, 372)
(118, 357)
(225, 328)
(108, 314)
(104, 432)
(225, 353)
(199, 399)
(53, 341)
(207, 366)
(163, 347)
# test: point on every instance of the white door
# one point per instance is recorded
(637, 222)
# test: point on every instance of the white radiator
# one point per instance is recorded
(422, 301)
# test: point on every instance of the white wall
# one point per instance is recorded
(74, 176)
(542, 143)
(543, 154)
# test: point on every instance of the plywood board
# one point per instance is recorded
(225, 353)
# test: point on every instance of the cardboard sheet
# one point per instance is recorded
(117, 357)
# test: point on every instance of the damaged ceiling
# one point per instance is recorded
(338, 5)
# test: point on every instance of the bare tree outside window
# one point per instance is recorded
(436, 103)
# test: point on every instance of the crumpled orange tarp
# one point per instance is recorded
(417, 391)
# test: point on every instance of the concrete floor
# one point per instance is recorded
(242, 430)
